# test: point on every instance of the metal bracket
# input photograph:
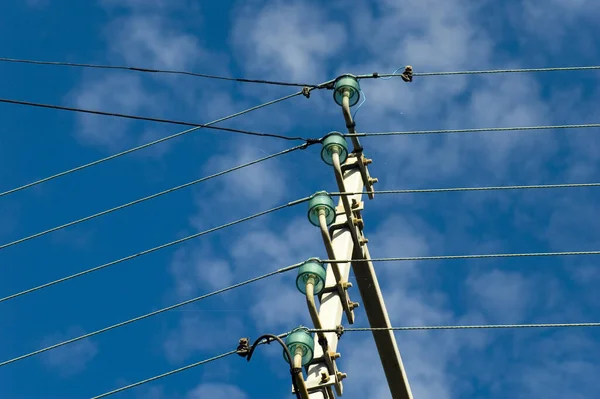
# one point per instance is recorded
(347, 304)
(364, 171)
(341, 288)
(326, 383)
(357, 207)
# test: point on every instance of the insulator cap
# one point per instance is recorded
(346, 82)
(334, 140)
(321, 201)
(312, 268)
(300, 338)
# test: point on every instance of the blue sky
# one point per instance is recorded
(310, 42)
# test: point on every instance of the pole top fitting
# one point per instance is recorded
(347, 82)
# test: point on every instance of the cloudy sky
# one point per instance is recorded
(300, 41)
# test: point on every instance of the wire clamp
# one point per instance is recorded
(339, 331)
(243, 347)
(306, 91)
(407, 75)
(312, 141)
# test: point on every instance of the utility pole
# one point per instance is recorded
(344, 239)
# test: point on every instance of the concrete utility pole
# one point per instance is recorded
(344, 239)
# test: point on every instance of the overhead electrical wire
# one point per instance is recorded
(281, 83)
(475, 256)
(256, 215)
(284, 270)
(476, 130)
(461, 327)
(383, 192)
(483, 188)
(361, 329)
(151, 250)
(169, 373)
(148, 315)
(152, 196)
(129, 151)
(260, 341)
(154, 71)
(149, 119)
(484, 72)
(154, 249)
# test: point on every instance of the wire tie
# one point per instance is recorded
(407, 75)
(306, 91)
(243, 347)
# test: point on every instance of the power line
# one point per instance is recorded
(363, 329)
(484, 188)
(148, 315)
(477, 130)
(99, 161)
(476, 256)
(157, 71)
(485, 72)
(279, 271)
(151, 250)
(401, 191)
(461, 327)
(149, 119)
(149, 197)
(395, 259)
(184, 368)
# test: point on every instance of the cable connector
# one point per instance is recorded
(313, 141)
(407, 75)
(306, 91)
(375, 75)
(243, 347)
(267, 339)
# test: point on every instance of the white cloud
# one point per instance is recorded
(150, 41)
(121, 93)
(217, 391)
(195, 266)
(70, 359)
(502, 295)
(148, 38)
(264, 181)
(566, 17)
(243, 192)
(286, 39)
(197, 334)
